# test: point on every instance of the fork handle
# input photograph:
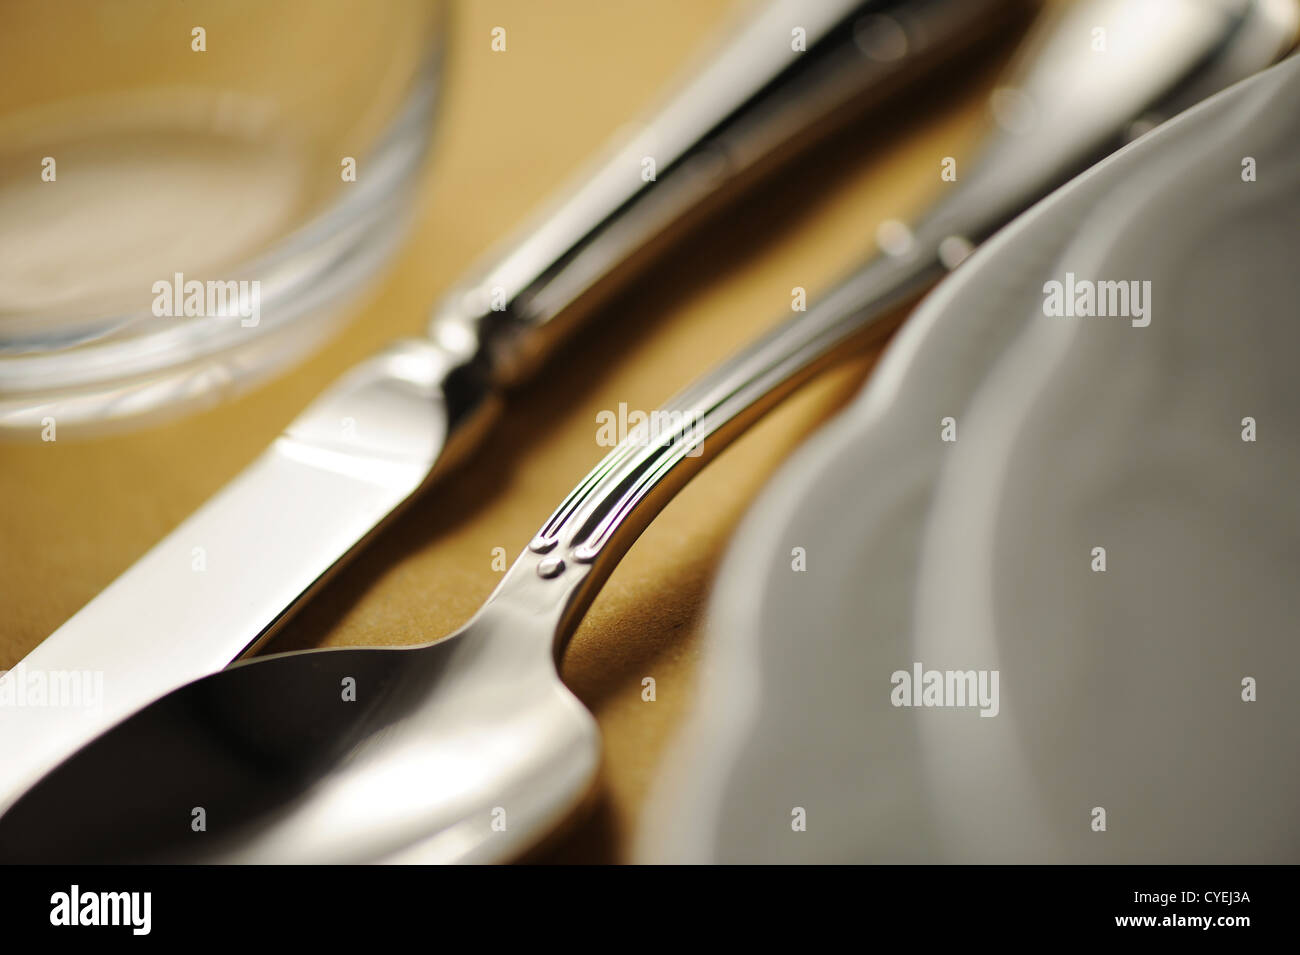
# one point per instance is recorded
(582, 542)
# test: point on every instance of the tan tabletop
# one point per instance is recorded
(514, 125)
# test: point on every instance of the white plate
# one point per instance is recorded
(1119, 690)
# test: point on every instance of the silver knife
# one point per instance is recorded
(216, 587)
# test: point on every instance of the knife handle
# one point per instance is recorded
(764, 95)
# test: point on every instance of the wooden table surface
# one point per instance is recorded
(514, 125)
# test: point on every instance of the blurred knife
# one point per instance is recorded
(789, 72)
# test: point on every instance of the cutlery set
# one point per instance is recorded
(278, 529)
(471, 749)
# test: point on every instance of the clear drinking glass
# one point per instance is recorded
(255, 156)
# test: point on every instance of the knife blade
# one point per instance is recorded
(215, 587)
